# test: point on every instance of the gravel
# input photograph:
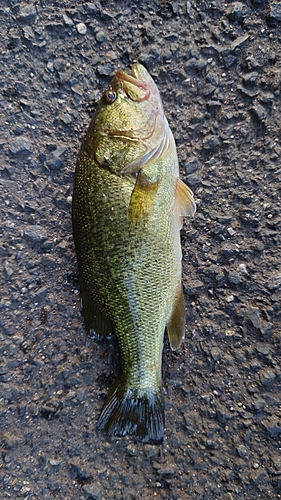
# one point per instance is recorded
(19, 145)
(275, 11)
(217, 66)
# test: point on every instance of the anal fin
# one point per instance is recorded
(94, 318)
(176, 323)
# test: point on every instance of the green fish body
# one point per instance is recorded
(128, 204)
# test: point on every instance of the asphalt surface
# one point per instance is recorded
(218, 68)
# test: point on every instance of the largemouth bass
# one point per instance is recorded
(128, 204)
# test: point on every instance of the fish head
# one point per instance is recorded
(129, 128)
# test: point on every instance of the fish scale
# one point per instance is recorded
(126, 223)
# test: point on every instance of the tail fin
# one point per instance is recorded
(133, 411)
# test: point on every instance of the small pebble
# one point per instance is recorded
(92, 491)
(255, 317)
(20, 145)
(241, 450)
(55, 158)
(259, 404)
(49, 261)
(215, 353)
(27, 14)
(191, 165)
(193, 287)
(266, 328)
(66, 118)
(35, 234)
(8, 269)
(234, 278)
(229, 60)
(237, 11)
(274, 283)
(267, 377)
(241, 269)
(9, 439)
(172, 37)
(211, 142)
(259, 112)
(105, 69)
(100, 36)
(193, 180)
(231, 231)
(55, 461)
(67, 21)
(41, 293)
(275, 11)
(240, 41)
(250, 78)
(81, 28)
(230, 298)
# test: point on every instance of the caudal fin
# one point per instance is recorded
(133, 411)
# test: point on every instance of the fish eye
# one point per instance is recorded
(110, 95)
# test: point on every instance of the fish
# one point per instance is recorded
(128, 207)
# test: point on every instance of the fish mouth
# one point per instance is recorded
(133, 79)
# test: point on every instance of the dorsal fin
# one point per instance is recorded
(94, 317)
(184, 201)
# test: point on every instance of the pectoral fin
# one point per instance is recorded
(142, 197)
(184, 201)
(95, 319)
(176, 323)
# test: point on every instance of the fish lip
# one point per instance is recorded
(124, 77)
